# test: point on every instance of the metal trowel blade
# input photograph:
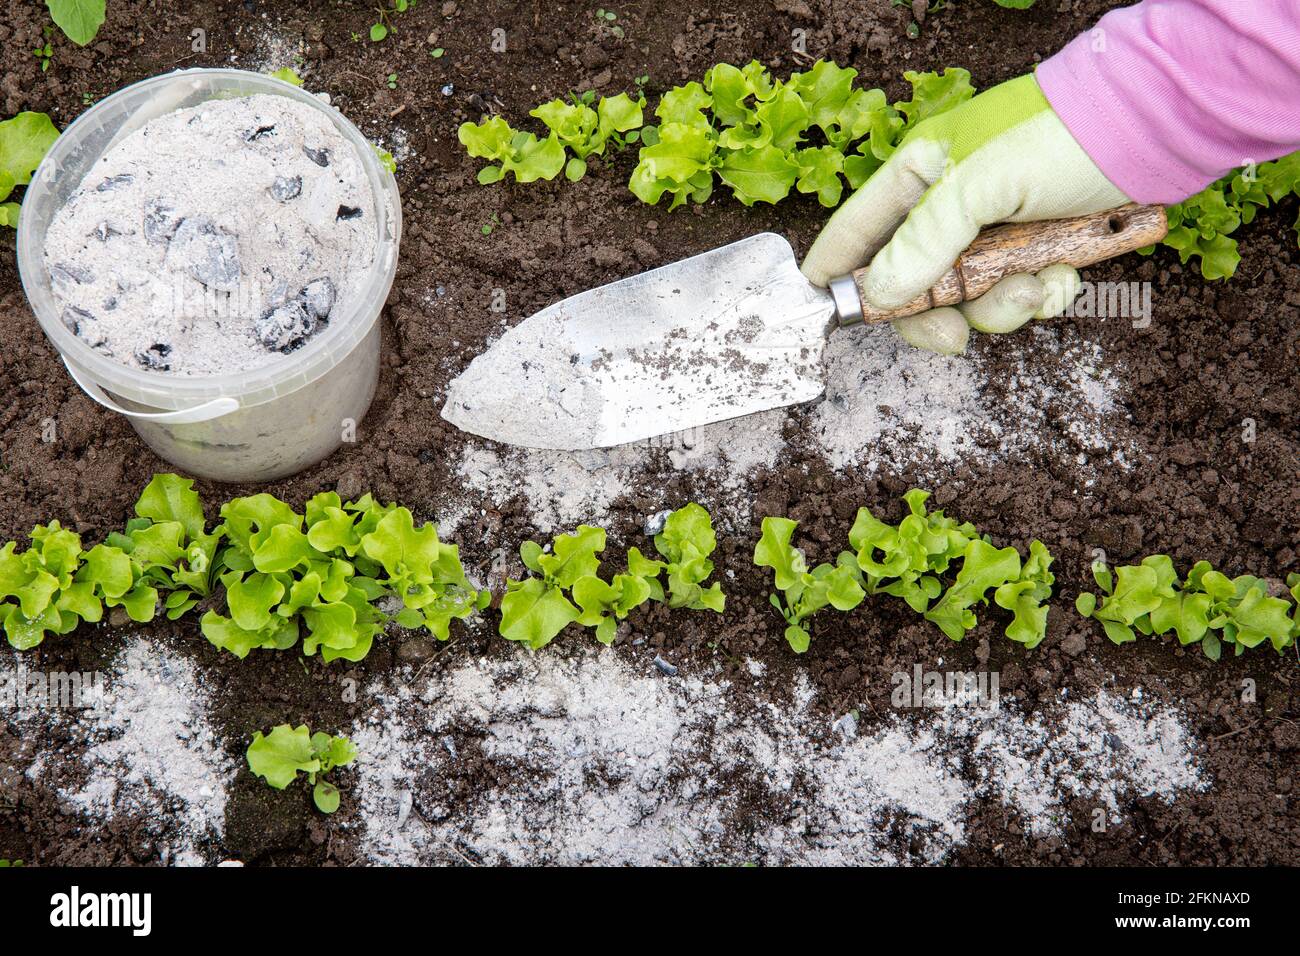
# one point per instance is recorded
(716, 336)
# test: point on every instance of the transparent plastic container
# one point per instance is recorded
(253, 425)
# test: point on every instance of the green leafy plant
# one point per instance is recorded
(516, 152)
(804, 592)
(169, 541)
(764, 137)
(79, 20)
(324, 568)
(585, 132)
(1202, 225)
(912, 560)
(45, 52)
(24, 141)
(761, 136)
(54, 585)
(288, 74)
(382, 26)
(6, 864)
(286, 751)
(566, 587)
(386, 158)
(1206, 607)
(609, 18)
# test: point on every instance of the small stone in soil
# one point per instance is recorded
(285, 327)
(160, 221)
(286, 187)
(846, 726)
(654, 524)
(349, 212)
(206, 254)
(665, 667)
(155, 357)
(321, 157)
(317, 297)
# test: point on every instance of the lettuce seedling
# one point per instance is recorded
(1202, 225)
(603, 604)
(286, 751)
(910, 560)
(325, 568)
(24, 141)
(516, 152)
(1207, 607)
(168, 539)
(586, 131)
(803, 592)
(685, 543)
(536, 609)
(414, 565)
(53, 586)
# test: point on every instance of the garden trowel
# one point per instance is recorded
(723, 334)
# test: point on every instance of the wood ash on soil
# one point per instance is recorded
(215, 238)
(146, 755)
(888, 408)
(594, 760)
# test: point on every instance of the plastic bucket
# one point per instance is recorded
(252, 425)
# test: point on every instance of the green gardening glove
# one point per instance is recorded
(1003, 156)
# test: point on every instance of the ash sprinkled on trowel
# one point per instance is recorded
(214, 238)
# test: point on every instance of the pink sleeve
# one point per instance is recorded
(1168, 95)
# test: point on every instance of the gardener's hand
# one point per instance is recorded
(1003, 156)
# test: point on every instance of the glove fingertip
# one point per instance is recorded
(944, 331)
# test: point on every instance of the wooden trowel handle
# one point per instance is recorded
(1027, 247)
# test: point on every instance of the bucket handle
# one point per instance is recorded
(214, 408)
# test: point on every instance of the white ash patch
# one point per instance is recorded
(273, 48)
(888, 408)
(564, 488)
(150, 753)
(895, 407)
(594, 759)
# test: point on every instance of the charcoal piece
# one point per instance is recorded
(65, 272)
(285, 327)
(105, 231)
(75, 319)
(154, 357)
(321, 157)
(317, 297)
(286, 187)
(160, 221)
(259, 132)
(206, 254)
(349, 212)
(112, 182)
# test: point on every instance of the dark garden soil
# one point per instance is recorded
(1215, 356)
